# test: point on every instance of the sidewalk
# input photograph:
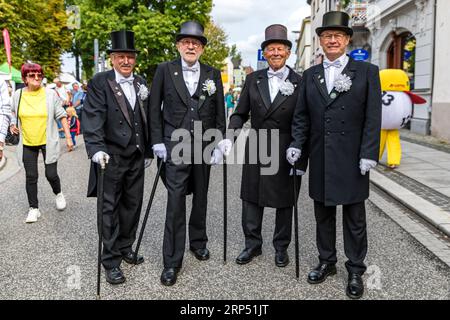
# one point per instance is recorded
(422, 181)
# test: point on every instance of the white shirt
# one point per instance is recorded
(191, 78)
(127, 87)
(275, 82)
(332, 72)
(5, 110)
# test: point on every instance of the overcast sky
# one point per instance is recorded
(244, 21)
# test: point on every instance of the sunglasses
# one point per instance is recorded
(35, 75)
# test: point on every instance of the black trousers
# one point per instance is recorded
(355, 234)
(123, 193)
(30, 163)
(180, 180)
(252, 217)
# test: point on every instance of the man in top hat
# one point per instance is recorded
(270, 96)
(339, 111)
(116, 133)
(185, 94)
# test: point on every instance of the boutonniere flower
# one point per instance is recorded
(287, 88)
(209, 86)
(143, 91)
(342, 83)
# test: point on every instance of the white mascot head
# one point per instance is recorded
(397, 100)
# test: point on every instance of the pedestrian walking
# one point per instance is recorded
(36, 111)
(339, 112)
(5, 115)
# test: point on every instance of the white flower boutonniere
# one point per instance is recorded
(209, 86)
(342, 83)
(287, 88)
(143, 91)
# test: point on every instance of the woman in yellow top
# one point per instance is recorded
(35, 114)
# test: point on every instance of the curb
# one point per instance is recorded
(425, 209)
(3, 162)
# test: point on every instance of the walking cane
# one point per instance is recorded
(297, 264)
(224, 210)
(147, 211)
(100, 225)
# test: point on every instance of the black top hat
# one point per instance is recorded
(335, 20)
(192, 29)
(122, 41)
(276, 33)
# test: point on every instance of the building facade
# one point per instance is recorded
(440, 115)
(402, 37)
(303, 49)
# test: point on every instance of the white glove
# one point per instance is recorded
(160, 151)
(292, 155)
(216, 157)
(225, 146)
(147, 162)
(101, 158)
(297, 173)
(366, 164)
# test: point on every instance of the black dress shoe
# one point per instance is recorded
(129, 258)
(355, 286)
(321, 272)
(169, 276)
(247, 255)
(114, 275)
(200, 254)
(281, 258)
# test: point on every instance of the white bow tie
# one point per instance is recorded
(336, 64)
(278, 74)
(126, 80)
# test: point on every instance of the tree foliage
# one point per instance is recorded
(38, 32)
(155, 24)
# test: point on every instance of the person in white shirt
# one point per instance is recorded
(338, 119)
(5, 114)
(116, 135)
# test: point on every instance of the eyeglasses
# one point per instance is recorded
(329, 36)
(35, 75)
(185, 42)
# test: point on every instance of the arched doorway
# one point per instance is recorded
(401, 54)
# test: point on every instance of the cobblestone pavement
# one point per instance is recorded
(425, 192)
(55, 258)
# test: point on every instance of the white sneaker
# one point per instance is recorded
(33, 215)
(60, 201)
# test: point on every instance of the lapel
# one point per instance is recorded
(263, 86)
(176, 73)
(139, 101)
(205, 73)
(119, 95)
(349, 70)
(279, 98)
(320, 81)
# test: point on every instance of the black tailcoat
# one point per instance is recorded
(276, 190)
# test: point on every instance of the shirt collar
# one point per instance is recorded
(120, 76)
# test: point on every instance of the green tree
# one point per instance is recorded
(38, 32)
(216, 50)
(154, 22)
